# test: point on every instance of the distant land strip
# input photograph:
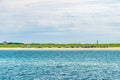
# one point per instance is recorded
(34, 45)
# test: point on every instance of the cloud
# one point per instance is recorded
(60, 17)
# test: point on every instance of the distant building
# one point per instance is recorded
(97, 42)
(4, 42)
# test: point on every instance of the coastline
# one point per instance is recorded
(111, 48)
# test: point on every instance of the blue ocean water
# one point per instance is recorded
(59, 65)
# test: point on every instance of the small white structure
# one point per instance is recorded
(4, 42)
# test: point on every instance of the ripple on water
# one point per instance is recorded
(79, 65)
(58, 72)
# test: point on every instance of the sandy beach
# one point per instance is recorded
(112, 48)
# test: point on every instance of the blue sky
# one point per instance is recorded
(60, 21)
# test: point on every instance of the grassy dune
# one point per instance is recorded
(56, 45)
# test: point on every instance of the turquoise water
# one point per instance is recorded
(59, 65)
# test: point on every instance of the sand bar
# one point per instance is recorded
(112, 48)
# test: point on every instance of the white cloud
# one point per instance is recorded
(69, 16)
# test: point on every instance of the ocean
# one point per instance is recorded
(59, 65)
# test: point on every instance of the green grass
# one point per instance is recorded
(55, 45)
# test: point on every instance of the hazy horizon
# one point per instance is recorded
(60, 21)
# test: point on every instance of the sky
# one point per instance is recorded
(60, 21)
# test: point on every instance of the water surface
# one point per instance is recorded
(59, 65)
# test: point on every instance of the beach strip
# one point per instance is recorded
(111, 48)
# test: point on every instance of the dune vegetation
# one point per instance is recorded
(57, 45)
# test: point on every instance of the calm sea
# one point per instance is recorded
(59, 65)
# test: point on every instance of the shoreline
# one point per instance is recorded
(111, 48)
